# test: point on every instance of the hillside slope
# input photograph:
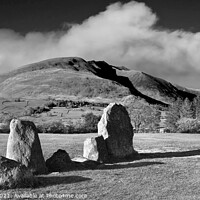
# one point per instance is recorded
(60, 76)
(73, 76)
(141, 83)
(158, 88)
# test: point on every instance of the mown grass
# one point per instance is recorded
(168, 169)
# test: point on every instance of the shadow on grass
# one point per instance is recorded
(169, 154)
(130, 165)
(120, 163)
(58, 180)
(92, 165)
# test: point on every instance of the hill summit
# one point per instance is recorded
(75, 77)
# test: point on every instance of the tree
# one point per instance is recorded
(188, 125)
(180, 110)
(187, 109)
(91, 122)
(144, 117)
(136, 118)
(173, 115)
(196, 103)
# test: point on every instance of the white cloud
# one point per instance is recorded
(124, 34)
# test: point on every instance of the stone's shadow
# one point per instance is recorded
(169, 154)
(92, 165)
(58, 180)
(129, 165)
(88, 166)
(116, 164)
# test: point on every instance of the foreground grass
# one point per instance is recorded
(169, 169)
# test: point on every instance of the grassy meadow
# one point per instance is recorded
(63, 116)
(169, 168)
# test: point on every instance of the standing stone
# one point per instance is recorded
(24, 146)
(14, 174)
(117, 131)
(95, 149)
(59, 161)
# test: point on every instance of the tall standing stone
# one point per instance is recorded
(24, 146)
(117, 131)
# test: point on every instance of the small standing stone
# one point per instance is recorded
(14, 174)
(95, 149)
(24, 146)
(59, 161)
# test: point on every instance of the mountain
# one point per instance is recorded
(75, 77)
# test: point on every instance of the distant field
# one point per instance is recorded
(170, 170)
(61, 114)
(17, 108)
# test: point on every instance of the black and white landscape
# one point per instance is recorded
(99, 99)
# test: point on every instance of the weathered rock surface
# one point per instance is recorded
(117, 131)
(59, 161)
(95, 149)
(24, 146)
(14, 174)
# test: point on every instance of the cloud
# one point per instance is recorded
(124, 34)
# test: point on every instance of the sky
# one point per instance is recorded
(159, 37)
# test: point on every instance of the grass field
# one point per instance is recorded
(169, 168)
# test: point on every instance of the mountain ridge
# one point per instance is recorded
(78, 77)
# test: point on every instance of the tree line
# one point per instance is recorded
(184, 116)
